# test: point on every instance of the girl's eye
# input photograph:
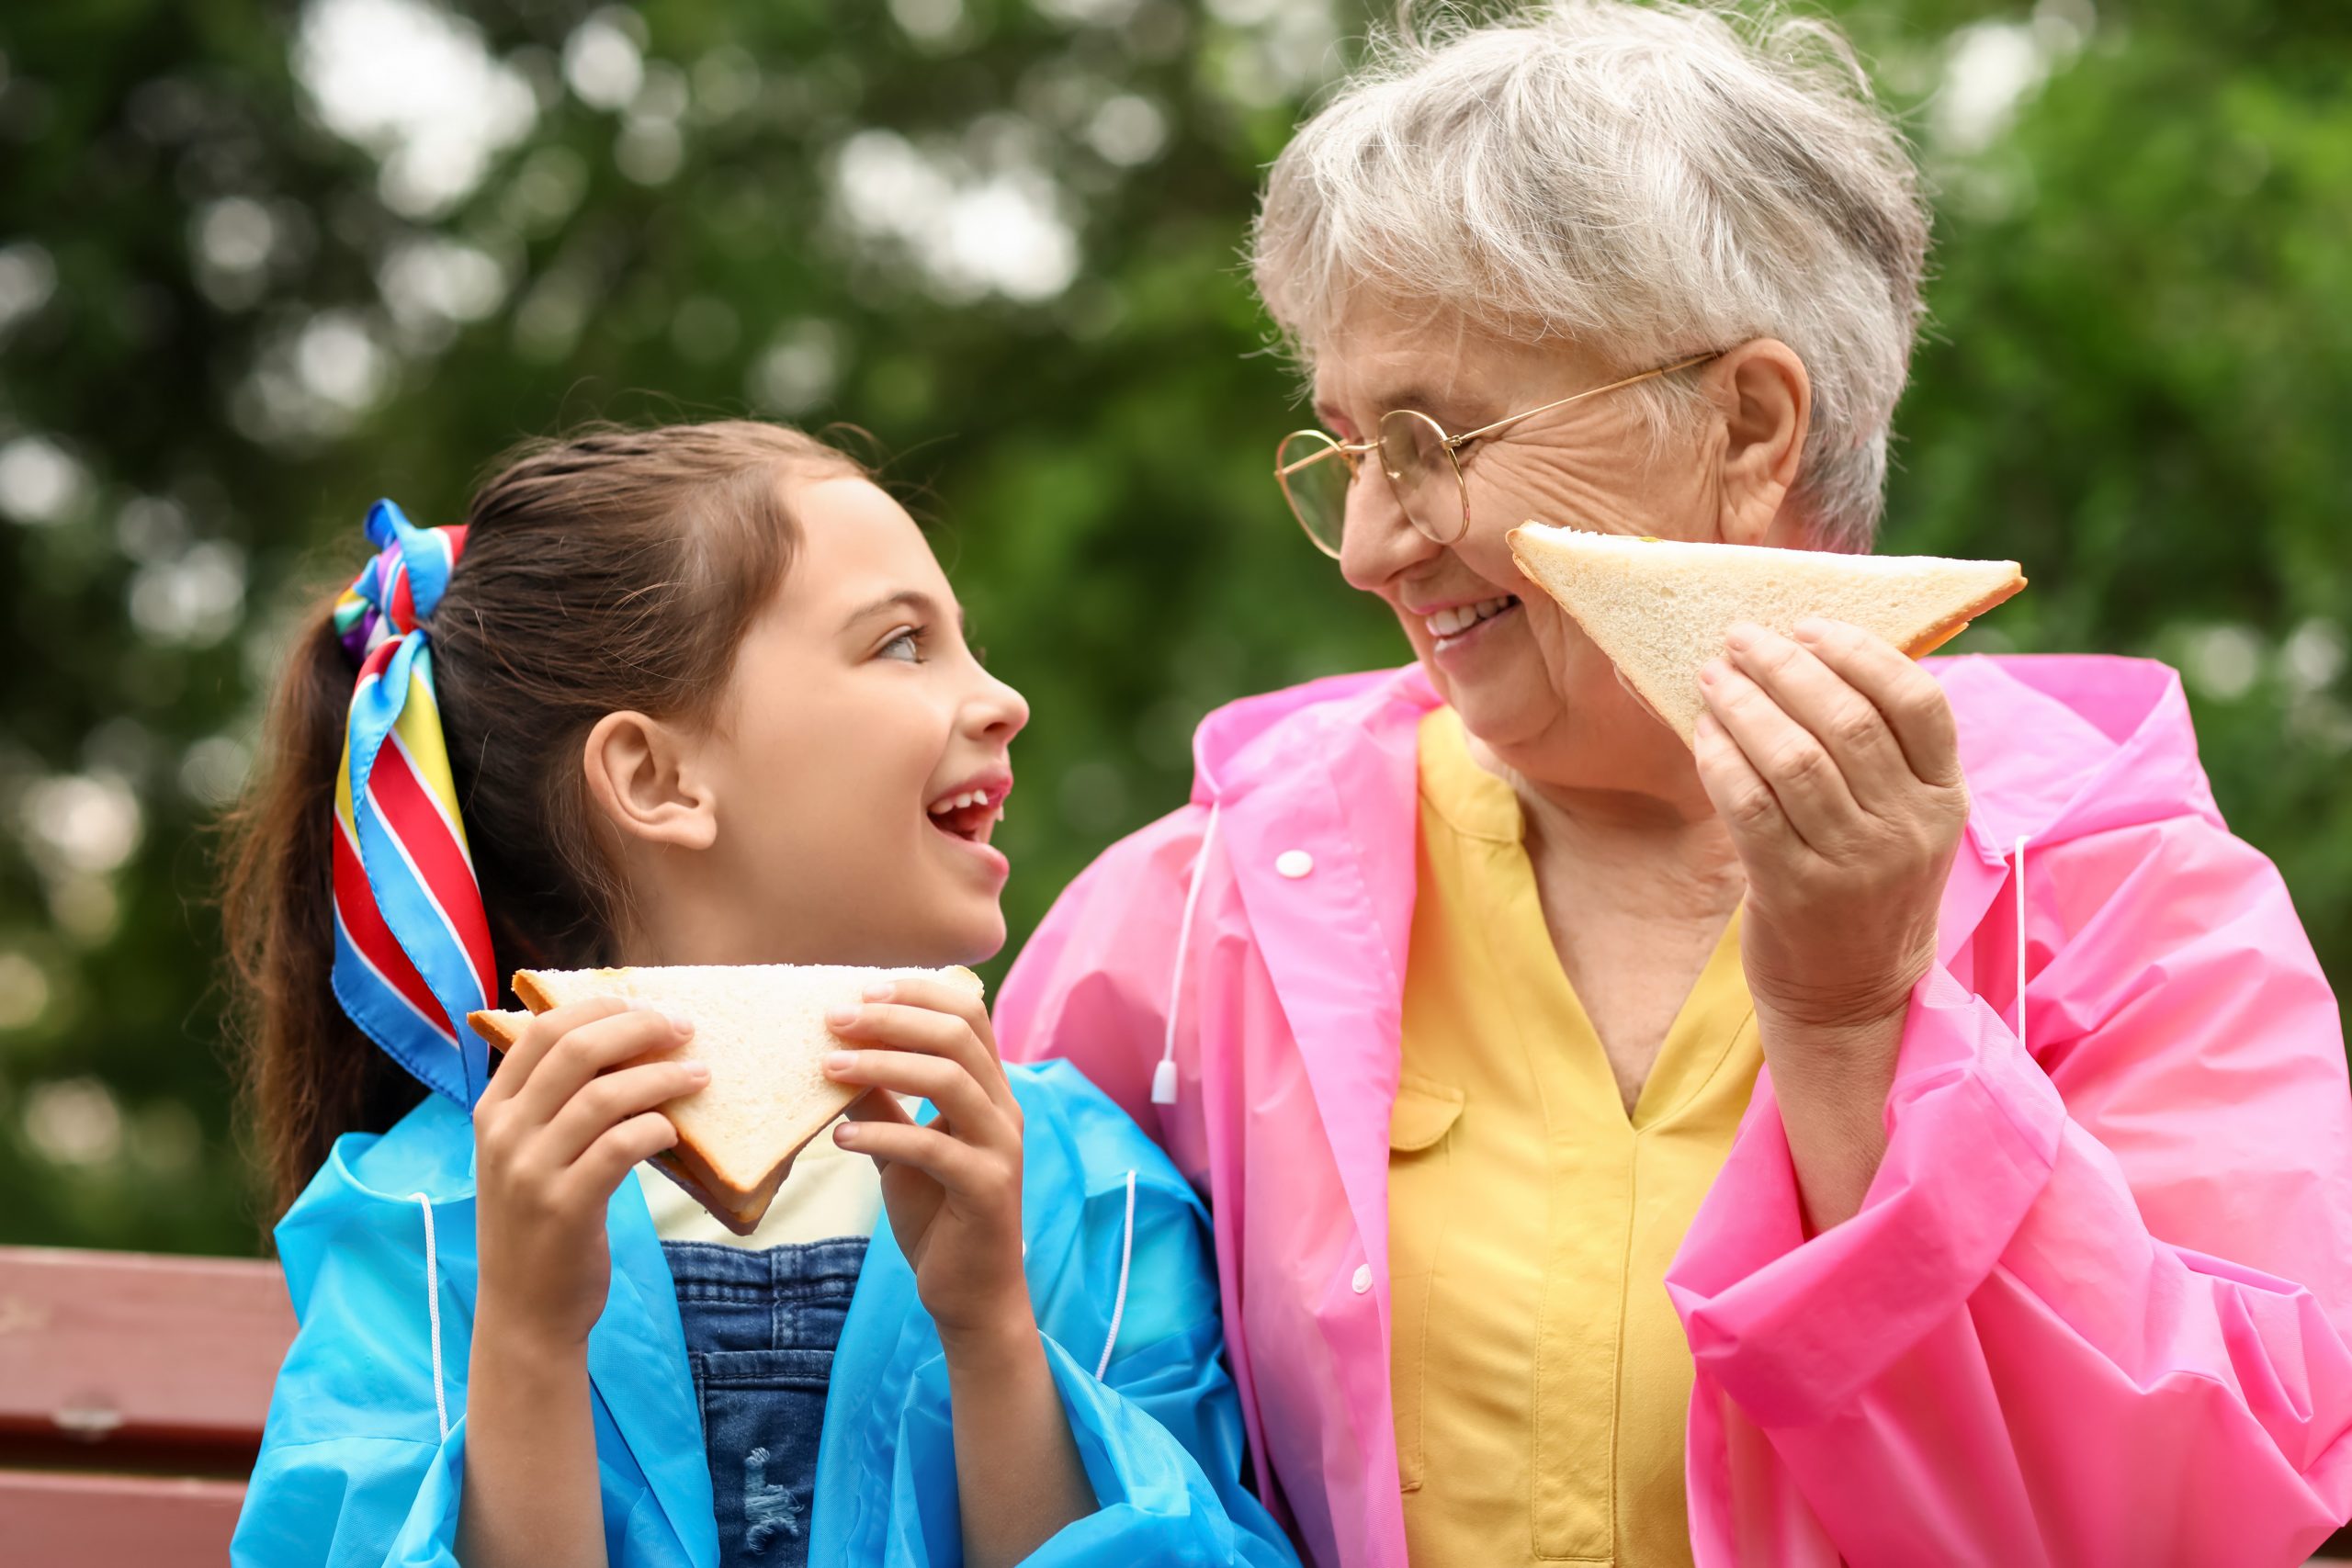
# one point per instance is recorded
(906, 646)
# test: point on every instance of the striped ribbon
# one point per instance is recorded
(411, 941)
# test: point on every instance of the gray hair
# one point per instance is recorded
(1652, 180)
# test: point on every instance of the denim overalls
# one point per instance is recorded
(761, 1329)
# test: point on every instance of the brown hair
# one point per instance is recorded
(616, 570)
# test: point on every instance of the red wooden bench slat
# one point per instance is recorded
(116, 1521)
(99, 1344)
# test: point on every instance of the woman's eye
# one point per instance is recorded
(907, 646)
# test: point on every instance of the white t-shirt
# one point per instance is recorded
(829, 1193)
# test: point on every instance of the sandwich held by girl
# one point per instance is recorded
(669, 701)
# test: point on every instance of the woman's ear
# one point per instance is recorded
(645, 778)
(1766, 401)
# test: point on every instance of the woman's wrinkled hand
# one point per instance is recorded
(952, 1187)
(571, 1109)
(1834, 761)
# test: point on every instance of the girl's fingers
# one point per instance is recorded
(609, 1099)
(1802, 776)
(964, 1103)
(1911, 699)
(592, 1048)
(955, 1165)
(1846, 722)
(939, 997)
(608, 1161)
(902, 1026)
(540, 1036)
(882, 1107)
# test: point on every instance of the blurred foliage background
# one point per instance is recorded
(262, 263)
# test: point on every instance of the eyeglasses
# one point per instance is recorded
(1423, 462)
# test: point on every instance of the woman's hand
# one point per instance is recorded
(559, 1128)
(953, 1188)
(1834, 763)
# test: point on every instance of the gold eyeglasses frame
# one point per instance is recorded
(1327, 445)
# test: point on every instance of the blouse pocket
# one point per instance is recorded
(1418, 1177)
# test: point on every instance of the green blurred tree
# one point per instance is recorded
(260, 264)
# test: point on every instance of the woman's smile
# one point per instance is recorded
(1458, 632)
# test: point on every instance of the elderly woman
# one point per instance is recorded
(1907, 1129)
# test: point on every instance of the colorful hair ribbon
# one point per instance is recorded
(411, 950)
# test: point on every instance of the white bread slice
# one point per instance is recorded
(1659, 608)
(761, 1028)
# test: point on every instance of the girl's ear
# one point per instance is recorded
(1766, 400)
(645, 778)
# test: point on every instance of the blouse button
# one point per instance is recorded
(1294, 864)
(1362, 1280)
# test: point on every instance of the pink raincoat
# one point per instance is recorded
(2096, 1307)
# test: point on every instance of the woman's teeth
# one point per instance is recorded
(1460, 618)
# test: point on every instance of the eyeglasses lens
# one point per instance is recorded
(1422, 472)
(1315, 475)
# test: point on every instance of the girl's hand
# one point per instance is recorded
(953, 1188)
(557, 1129)
(1835, 763)
(954, 1192)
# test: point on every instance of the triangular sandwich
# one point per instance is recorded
(762, 1029)
(1659, 608)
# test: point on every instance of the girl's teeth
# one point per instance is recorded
(958, 802)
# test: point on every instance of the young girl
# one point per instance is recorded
(688, 695)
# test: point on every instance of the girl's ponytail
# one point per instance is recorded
(617, 570)
(310, 1074)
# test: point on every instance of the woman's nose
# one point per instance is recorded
(1376, 539)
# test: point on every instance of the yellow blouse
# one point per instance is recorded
(1541, 1376)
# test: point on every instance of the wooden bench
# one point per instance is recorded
(132, 1390)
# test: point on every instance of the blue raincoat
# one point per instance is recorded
(365, 1441)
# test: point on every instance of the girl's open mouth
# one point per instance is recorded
(972, 812)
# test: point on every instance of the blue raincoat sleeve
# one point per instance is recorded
(355, 1470)
(1159, 1431)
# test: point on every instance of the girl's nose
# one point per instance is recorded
(998, 713)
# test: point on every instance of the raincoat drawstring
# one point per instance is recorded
(2021, 843)
(1163, 1077)
(433, 1312)
(1119, 1300)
